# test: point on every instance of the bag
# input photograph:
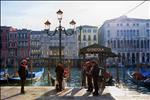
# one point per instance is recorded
(64, 84)
(100, 73)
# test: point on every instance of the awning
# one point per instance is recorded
(95, 49)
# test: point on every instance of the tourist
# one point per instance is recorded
(89, 76)
(95, 75)
(59, 76)
(23, 72)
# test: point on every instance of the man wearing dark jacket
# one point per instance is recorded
(95, 75)
(22, 74)
(59, 75)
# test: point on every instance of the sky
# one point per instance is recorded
(33, 14)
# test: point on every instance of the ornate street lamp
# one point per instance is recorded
(59, 29)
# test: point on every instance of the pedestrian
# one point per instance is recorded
(23, 72)
(83, 69)
(95, 76)
(89, 76)
(59, 76)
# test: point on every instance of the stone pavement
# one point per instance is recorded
(70, 93)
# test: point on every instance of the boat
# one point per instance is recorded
(32, 76)
(143, 80)
(3, 77)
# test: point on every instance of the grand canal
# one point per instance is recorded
(75, 80)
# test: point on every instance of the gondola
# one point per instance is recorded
(145, 81)
(32, 76)
(3, 77)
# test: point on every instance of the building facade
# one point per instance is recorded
(23, 43)
(50, 46)
(86, 35)
(12, 47)
(68, 44)
(35, 44)
(127, 37)
(4, 45)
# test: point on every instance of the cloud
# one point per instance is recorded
(32, 14)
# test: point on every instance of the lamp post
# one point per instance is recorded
(59, 29)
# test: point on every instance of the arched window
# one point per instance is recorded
(123, 57)
(147, 24)
(84, 37)
(108, 43)
(108, 33)
(138, 43)
(131, 44)
(145, 44)
(128, 57)
(137, 57)
(133, 58)
(89, 38)
(94, 38)
(121, 43)
(137, 32)
(111, 44)
(143, 57)
(141, 43)
(134, 45)
(114, 43)
(128, 43)
(119, 57)
(125, 43)
(148, 44)
(118, 43)
(148, 57)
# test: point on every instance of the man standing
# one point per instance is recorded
(59, 75)
(23, 73)
(95, 75)
(89, 76)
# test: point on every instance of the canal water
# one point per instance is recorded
(75, 80)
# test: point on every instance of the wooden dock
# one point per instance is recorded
(70, 93)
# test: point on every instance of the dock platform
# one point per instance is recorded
(70, 93)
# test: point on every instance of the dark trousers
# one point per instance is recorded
(89, 82)
(60, 84)
(22, 85)
(95, 81)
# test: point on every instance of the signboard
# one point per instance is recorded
(95, 49)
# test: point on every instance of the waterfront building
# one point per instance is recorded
(46, 47)
(35, 45)
(4, 45)
(12, 47)
(44, 44)
(23, 43)
(88, 35)
(127, 37)
(51, 47)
